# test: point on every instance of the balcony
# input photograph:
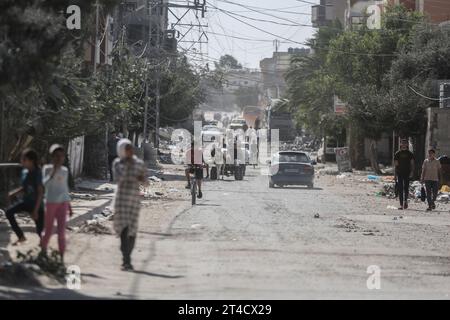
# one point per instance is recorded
(322, 15)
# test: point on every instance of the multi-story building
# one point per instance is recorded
(274, 69)
(242, 78)
(438, 11)
(353, 12)
(135, 18)
(328, 11)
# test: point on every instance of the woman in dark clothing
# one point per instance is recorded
(32, 192)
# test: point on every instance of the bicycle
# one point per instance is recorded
(193, 188)
(193, 179)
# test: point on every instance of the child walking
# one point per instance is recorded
(57, 199)
(431, 175)
(129, 172)
(32, 191)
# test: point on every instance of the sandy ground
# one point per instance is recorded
(246, 241)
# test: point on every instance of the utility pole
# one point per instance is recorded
(158, 73)
(96, 36)
(150, 33)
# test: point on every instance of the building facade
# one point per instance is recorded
(274, 70)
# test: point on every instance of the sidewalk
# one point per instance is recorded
(90, 228)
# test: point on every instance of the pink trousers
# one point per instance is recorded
(58, 212)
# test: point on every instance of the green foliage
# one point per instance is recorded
(228, 62)
(311, 86)
(42, 93)
(360, 61)
(246, 96)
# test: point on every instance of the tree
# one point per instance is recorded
(420, 63)
(40, 83)
(228, 62)
(311, 86)
(246, 96)
(360, 60)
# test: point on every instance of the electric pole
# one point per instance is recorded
(96, 45)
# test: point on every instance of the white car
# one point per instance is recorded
(208, 132)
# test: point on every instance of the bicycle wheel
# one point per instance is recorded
(194, 191)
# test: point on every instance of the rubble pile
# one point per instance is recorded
(19, 274)
(94, 226)
(32, 267)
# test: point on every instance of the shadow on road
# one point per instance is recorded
(207, 204)
(151, 274)
(299, 188)
(37, 293)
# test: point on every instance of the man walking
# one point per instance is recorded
(112, 152)
(431, 175)
(129, 172)
(404, 170)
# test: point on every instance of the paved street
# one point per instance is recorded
(246, 241)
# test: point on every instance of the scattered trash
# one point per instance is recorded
(392, 208)
(373, 178)
(18, 274)
(84, 196)
(155, 179)
(445, 189)
(331, 172)
(388, 179)
(160, 194)
(107, 212)
(368, 234)
(196, 226)
(343, 175)
(395, 218)
(94, 227)
(172, 190)
(443, 198)
(316, 216)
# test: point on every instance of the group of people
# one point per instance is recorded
(44, 194)
(431, 175)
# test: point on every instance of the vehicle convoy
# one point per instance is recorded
(280, 118)
(238, 123)
(210, 133)
(327, 150)
(253, 116)
(231, 165)
(291, 168)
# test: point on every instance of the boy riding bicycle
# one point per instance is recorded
(195, 163)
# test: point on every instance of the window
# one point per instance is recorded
(130, 6)
(291, 157)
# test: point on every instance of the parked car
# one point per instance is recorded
(291, 168)
(210, 133)
(238, 124)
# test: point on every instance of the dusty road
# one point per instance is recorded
(246, 241)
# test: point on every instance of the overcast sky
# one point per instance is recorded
(289, 16)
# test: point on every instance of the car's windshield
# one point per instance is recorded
(291, 157)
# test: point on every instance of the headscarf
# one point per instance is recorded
(121, 145)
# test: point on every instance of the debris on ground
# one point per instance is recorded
(155, 179)
(391, 208)
(328, 171)
(83, 196)
(443, 198)
(18, 274)
(343, 175)
(107, 212)
(95, 227)
(316, 216)
(31, 266)
(373, 178)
